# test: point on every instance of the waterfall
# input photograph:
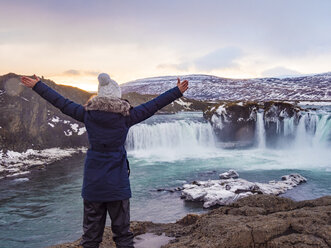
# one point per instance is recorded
(323, 130)
(260, 130)
(301, 138)
(171, 138)
(313, 130)
(185, 136)
(289, 126)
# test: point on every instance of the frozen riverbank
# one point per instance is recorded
(20, 163)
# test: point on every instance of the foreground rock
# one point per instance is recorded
(254, 221)
(228, 190)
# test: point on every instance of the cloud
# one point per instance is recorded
(74, 72)
(180, 67)
(92, 73)
(218, 59)
(280, 72)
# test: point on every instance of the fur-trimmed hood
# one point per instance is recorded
(109, 104)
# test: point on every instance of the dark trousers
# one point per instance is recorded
(95, 214)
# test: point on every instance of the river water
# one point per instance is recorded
(45, 207)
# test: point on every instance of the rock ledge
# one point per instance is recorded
(254, 221)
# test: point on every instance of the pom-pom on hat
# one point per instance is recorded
(108, 87)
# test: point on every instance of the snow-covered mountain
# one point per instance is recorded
(206, 87)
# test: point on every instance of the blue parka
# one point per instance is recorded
(106, 175)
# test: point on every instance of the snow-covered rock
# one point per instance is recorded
(229, 174)
(227, 191)
(20, 163)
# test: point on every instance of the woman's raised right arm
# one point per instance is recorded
(146, 110)
(66, 106)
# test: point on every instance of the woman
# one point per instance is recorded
(106, 186)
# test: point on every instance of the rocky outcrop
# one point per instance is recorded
(230, 188)
(229, 174)
(233, 121)
(239, 123)
(262, 221)
(276, 114)
(29, 122)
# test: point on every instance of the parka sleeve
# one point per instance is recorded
(66, 106)
(146, 110)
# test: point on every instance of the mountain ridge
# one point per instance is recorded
(208, 87)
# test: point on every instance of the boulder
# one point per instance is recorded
(229, 174)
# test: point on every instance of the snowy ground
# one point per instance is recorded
(16, 164)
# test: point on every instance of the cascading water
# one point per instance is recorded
(313, 130)
(260, 130)
(177, 138)
(289, 127)
(323, 131)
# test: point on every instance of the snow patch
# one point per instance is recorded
(314, 103)
(55, 119)
(186, 105)
(25, 99)
(74, 127)
(221, 110)
(68, 132)
(81, 131)
(24, 179)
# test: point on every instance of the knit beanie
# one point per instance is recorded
(108, 87)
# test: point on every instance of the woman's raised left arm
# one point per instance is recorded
(66, 106)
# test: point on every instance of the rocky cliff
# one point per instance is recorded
(29, 122)
(274, 123)
(233, 121)
(255, 221)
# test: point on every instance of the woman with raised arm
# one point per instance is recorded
(106, 186)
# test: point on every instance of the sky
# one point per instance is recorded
(72, 41)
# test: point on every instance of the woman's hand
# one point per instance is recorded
(29, 82)
(183, 86)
